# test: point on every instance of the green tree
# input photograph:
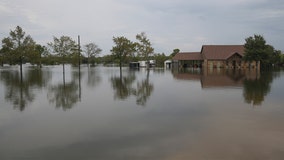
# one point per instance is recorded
(6, 51)
(1, 57)
(144, 46)
(35, 57)
(175, 51)
(282, 59)
(92, 51)
(48, 58)
(160, 59)
(106, 59)
(257, 50)
(18, 46)
(275, 58)
(123, 48)
(63, 47)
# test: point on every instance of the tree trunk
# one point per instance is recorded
(63, 73)
(120, 63)
(88, 61)
(40, 65)
(21, 68)
(148, 62)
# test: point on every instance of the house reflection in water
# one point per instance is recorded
(217, 78)
(255, 85)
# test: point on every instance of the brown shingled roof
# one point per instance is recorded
(188, 56)
(221, 52)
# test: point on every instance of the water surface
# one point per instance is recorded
(100, 114)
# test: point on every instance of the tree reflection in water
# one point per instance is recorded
(256, 85)
(19, 89)
(123, 88)
(255, 89)
(66, 95)
(93, 78)
(143, 91)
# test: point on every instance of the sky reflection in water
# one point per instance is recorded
(160, 114)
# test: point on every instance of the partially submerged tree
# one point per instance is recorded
(282, 59)
(35, 58)
(275, 57)
(123, 47)
(18, 46)
(144, 46)
(257, 50)
(63, 47)
(92, 50)
(160, 59)
(7, 51)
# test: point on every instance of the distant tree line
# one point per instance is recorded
(20, 48)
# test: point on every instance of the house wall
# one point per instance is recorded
(239, 64)
(214, 64)
(234, 62)
(190, 64)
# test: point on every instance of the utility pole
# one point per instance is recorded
(79, 57)
(79, 52)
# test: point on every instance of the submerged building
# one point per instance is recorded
(215, 56)
(142, 64)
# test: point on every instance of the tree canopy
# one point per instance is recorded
(21, 48)
(63, 47)
(144, 45)
(91, 50)
(123, 47)
(175, 51)
(256, 49)
(18, 46)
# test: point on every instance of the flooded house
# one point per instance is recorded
(215, 56)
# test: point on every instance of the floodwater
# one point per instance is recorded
(98, 114)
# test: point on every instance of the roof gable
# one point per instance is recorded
(221, 52)
(232, 54)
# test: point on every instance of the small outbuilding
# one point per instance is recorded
(134, 65)
(142, 64)
(168, 64)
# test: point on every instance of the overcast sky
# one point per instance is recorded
(169, 24)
